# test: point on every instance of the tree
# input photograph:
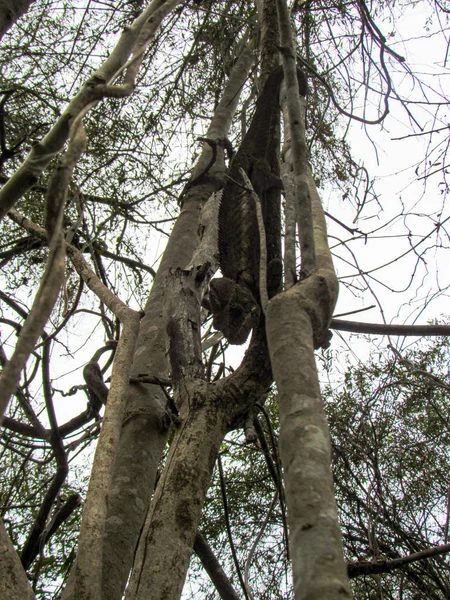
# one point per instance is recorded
(389, 426)
(103, 172)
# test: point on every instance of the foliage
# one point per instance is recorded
(26, 471)
(391, 443)
(389, 422)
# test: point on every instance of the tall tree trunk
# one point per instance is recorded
(209, 410)
(296, 323)
(146, 425)
(168, 536)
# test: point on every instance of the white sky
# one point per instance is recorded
(393, 165)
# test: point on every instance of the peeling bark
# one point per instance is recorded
(146, 426)
(207, 412)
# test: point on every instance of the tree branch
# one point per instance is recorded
(390, 329)
(385, 566)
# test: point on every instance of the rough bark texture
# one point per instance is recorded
(145, 429)
(270, 37)
(207, 412)
(235, 298)
(13, 581)
(10, 11)
(146, 424)
(176, 509)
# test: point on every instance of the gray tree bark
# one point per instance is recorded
(13, 581)
(214, 569)
(176, 509)
(146, 424)
(296, 323)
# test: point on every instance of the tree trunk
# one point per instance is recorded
(146, 425)
(10, 12)
(296, 322)
(167, 539)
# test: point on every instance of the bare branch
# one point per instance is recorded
(385, 566)
(54, 271)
